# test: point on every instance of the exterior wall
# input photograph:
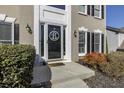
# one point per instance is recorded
(113, 40)
(24, 16)
(89, 22)
(11, 11)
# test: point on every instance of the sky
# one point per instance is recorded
(115, 15)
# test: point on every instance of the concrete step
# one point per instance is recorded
(70, 71)
(75, 83)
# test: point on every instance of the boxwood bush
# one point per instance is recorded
(16, 65)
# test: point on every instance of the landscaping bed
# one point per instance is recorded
(101, 80)
(109, 69)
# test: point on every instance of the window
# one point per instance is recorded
(81, 42)
(5, 33)
(83, 9)
(97, 11)
(97, 39)
(58, 6)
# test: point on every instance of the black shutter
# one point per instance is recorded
(102, 11)
(92, 42)
(16, 33)
(88, 9)
(92, 10)
(88, 42)
(102, 43)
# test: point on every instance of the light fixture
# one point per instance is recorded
(28, 29)
(75, 33)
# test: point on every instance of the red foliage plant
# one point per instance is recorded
(94, 58)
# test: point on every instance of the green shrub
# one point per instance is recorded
(115, 65)
(16, 65)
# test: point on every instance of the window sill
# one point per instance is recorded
(81, 54)
(82, 13)
(98, 17)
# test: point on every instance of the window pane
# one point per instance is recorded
(58, 6)
(81, 48)
(97, 7)
(97, 38)
(5, 31)
(81, 36)
(97, 13)
(96, 48)
(97, 10)
(82, 8)
(81, 42)
(96, 42)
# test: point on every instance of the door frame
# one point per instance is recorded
(46, 41)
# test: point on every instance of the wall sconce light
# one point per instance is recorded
(75, 33)
(28, 29)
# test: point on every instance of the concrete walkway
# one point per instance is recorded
(68, 75)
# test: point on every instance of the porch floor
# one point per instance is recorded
(67, 75)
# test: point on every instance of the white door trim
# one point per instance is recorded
(37, 28)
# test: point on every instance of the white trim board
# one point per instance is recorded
(82, 28)
(51, 14)
(4, 18)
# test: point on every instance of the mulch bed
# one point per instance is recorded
(100, 80)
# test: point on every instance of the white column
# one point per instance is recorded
(36, 32)
(68, 35)
(36, 27)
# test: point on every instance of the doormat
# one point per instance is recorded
(56, 64)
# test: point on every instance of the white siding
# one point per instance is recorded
(113, 41)
(121, 38)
